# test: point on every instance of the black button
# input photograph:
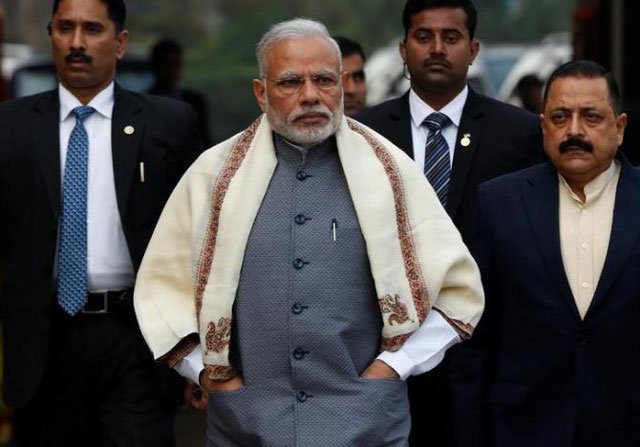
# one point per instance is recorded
(299, 353)
(302, 175)
(298, 263)
(302, 396)
(298, 308)
(300, 219)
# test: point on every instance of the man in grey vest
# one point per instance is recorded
(304, 268)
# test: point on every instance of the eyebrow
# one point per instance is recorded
(321, 72)
(64, 21)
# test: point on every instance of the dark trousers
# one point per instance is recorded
(100, 388)
(430, 400)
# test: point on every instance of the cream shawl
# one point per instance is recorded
(187, 282)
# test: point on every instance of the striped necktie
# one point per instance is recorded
(72, 250)
(437, 167)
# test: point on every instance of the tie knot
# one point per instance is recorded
(81, 112)
(436, 121)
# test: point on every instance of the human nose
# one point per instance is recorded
(78, 39)
(575, 125)
(438, 44)
(309, 92)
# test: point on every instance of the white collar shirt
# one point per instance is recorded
(420, 110)
(109, 265)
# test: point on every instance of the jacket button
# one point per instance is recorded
(298, 264)
(298, 308)
(302, 175)
(302, 396)
(301, 219)
(299, 353)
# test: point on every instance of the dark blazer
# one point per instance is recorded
(165, 139)
(535, 373)
(504, 138)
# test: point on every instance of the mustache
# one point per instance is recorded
(315, 110)
(78, 56)
(436, 60)
(573, 143)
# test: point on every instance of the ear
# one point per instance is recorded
(260, 92)
(122, 40)
(474, 48)
(403, 51)
(621, 124)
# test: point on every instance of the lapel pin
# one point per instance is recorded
(465, 140)
(129, 130)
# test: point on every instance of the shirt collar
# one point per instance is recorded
(420, 109)
(102, 102)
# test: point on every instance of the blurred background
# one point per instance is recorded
(519, 38)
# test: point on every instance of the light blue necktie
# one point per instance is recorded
(72, 251)
(437, 167)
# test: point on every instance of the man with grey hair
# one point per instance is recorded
(304, 268)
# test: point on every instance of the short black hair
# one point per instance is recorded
(583, 68)
(413, 7)
(349, 47)
(116, 9)
(164, 47)
(527, 81)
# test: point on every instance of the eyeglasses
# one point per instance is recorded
(289, 85)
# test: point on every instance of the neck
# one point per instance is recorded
(577, 183)
(435, 98)
(85, 95)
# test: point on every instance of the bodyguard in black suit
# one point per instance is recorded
(86, 377)
(555, 359)
(486, 138)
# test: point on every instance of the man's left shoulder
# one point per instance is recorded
(494, 108)
(160, 104)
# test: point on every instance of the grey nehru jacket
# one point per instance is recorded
(307, 322)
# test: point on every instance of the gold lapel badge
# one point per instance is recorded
(465, 140)
(129, 130)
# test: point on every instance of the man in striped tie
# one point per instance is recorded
(477, 138)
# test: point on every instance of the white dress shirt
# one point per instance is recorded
(108, 260)
(419, 132)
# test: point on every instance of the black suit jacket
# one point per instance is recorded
(503, 137)
(165, 139)
(534, 369)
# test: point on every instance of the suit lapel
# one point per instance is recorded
(469, 131)
(126, 136)
(623, 235)
(45, 130)
(399, 132)
(540, 199)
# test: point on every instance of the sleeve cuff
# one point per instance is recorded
(191, 365)
(424, 349)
